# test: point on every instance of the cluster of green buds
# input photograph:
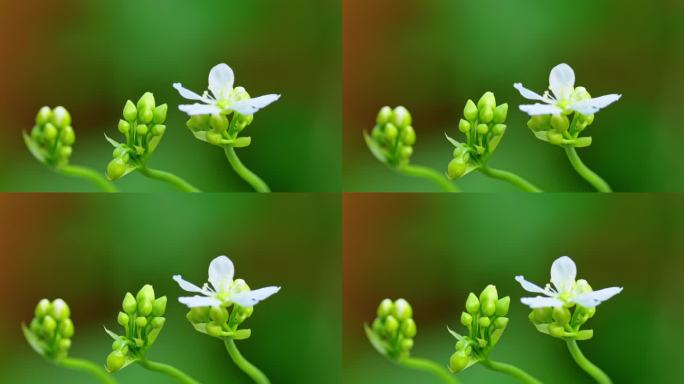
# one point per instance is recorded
(565, 321)
(486, 321)
(51, 330)
(391, 140)
(558, 129)
(393, 329)
(223, 129)
(223, 321)
(142, 320)
(143, 127)
(483, 126)
(52, 137)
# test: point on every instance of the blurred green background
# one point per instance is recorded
(90, 250)
(433, 250)
(432, 55)
(90, 56)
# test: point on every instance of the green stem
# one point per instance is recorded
(253, 372)
(431, 367)
(86, 366)
(509, 177)
(247, 175)
(169, 178)
(429, 174)
(595, 372)
(512, 370)
(167, 370)
(88, 174)
(595, 180)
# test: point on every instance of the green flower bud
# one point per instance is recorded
(487, 100)
(500, 113)
(130, 113)
(488, 300)
(484, 322)
(585, 334)
(458, 361)
(499, 129)
(122, 319)
(408, 328)
(561, 315)
(115, 361)
(502, 306)
(464, 126)
(140, 322)
(406, 345)
(198, 315)
(158, 322)
(159, 115)
(198, 122)
(560, 122)
(119, 344)
(541, 315)
(159, 306)
(470, 111)
(402, 310)
(556, 330)
(124, 126)
(456, 168)
(66, 329)
(64, 345)
(391, 132)
(472, 304)
(218, 122)
(466, 319)
(405, 152)
(60, 117)
(385, 308)
(219, 315)
(581, 94)
(377, 326)
(44, 115)
(146, 293)
(501, 322)
(586, 119)
(408, 136)
(482, 129)
(50, 132)
(49, 325)
(68, 137)
(65, 152)
(146, 101)
(60, 310)
(145, 307)
(214, 330)
(539, 123)
(384, 115)
(129, 304)
(486, 114)
(158, 129)
(391, 325)
(141, 129)
(214, 138)
(116, 168)
(401, 117)
(555, 138)
(43, 308)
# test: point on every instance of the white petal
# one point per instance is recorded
(199, 109)
(221, 271)
(199, 301)
(588, 107)
(526, 93)
(249, 298)
(250, 106)
(541, 302)
(592, 299)
(186, 93)
(186, 285)
(562, 81)
(540, 109)
(563, 274)
(221, 80)
(530, 287)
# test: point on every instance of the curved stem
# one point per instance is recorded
(88, 174)
(509, 177)
(87, 366)
(167, 370)
(512, 370)
(429, 174)
(247, 175)
(431, 367)
(169, 178)
(588, 367)
(595, 180)
(253, 372)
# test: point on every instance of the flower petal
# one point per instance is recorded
(221, 79)
(221, 271)
(563, 274)
(186, 93)
(562, 81)
(592, 299)
(540, 109)
(199, 301)
(186, 285)
(530, 287)
(541, 302)
(199, 109)
(526, 93)
(250, 106)
(250, 298)
(591, 106)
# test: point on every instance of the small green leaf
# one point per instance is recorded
(241, 334)
(113, 142)
(455, 334)
(112, 334)
(453, 141)
(34, 148)
(200, 135)
(375, 149)
(375, 340)
(33, 340)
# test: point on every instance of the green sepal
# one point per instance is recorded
(585, 142)
(113, 142)
(129, 360)
(495, 336)
(455, 334)
(34, 148)
(33, 340)
(112, 334)
(494, 142)
(240, 334)
(375, 340)
(153, 143)
(453, 141)
(375, 149)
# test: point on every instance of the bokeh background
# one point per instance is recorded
(91, 56)
(432, 55)
(433, 250)
(90, 250)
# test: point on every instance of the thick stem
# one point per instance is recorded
(170, 178)
(512, 370)
(168, 370)
(595, 372)
(431, 367)
(87, 366)
(253, 372)
(429, 174)
(88, 174)
(509, 177)
(595, 180)
(247, 175)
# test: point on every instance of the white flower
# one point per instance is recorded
(565, 290)
(222, 96)
(223, 290)
(566, 98)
